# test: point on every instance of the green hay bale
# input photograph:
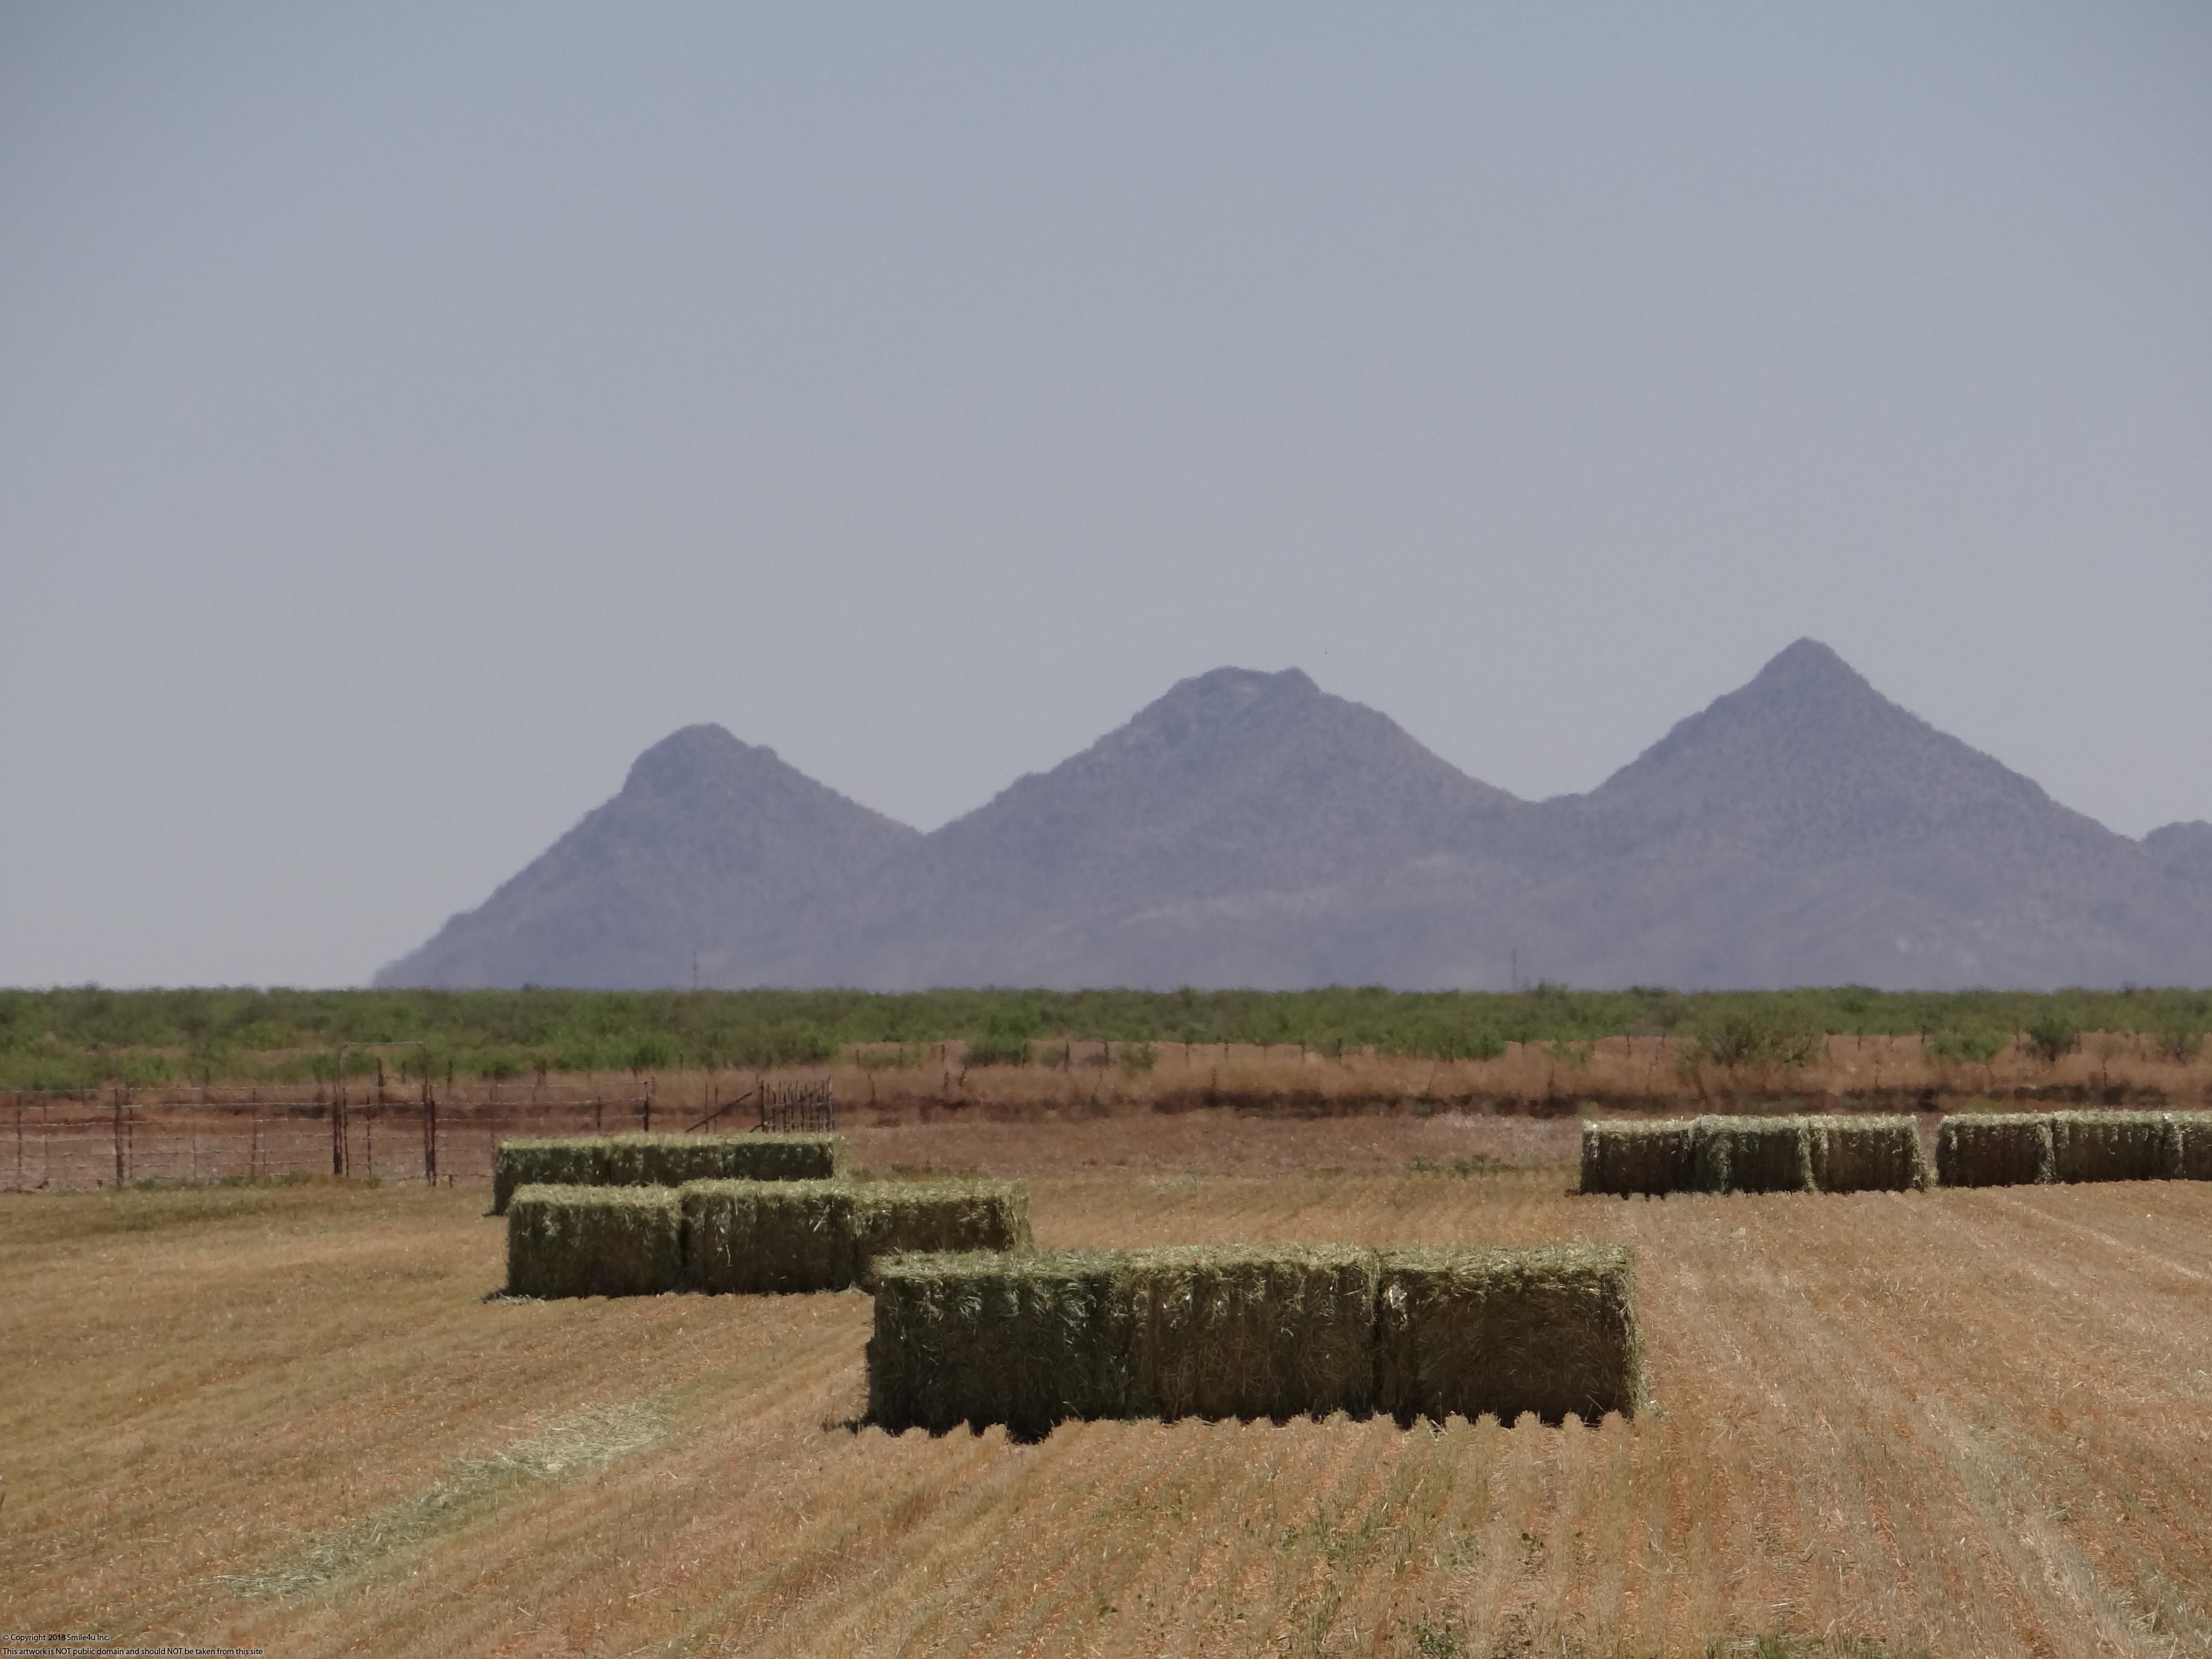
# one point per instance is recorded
(887, 1217)
(1652, 1158)
(593, 1241)
(1867, 1154)
(662, 1160)
(1752, 1155)
(2113, 1145)
(569, 1161)
(2192, 1146)
(1248, 1332)
(754, 1237)
(1996, 1149)
(1550, 1330)
(1028, 1339)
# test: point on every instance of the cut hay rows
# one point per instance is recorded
(1550, 1330)
(1713, 1154)
(1033, 1339)
(593, 1241)
(651, 1160)
(757, 1236)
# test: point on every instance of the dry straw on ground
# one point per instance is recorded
(1552, 1330)
(594, 1241)
(662, 1160)
(753, 1236)
(1252, 1331)
(1713, 1154)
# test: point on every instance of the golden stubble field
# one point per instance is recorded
(286, 1416)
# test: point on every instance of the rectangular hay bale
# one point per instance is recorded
(757, 1238)
(2192, 1146)
(1466, 1331)
(2113, 1145)
(1996, 1149)
(540, 1160)
(1628, 1158)
(1248, 1331)
(1866, 1153)
(1028, 1340)
(1752, 1155)
(662, 1160)
(890, 1217)
(593, 1241)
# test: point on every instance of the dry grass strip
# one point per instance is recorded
(661, 1160)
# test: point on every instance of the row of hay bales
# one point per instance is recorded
(664, 1160)
(1847, 1154)
(1042, 1337)
(744, 1236)
(1755, 1155)
(2014, 1149)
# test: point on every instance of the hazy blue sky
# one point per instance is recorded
(407, 413)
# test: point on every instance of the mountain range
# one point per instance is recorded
(1250, 829)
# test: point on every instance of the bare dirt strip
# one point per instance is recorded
(1969, 1422)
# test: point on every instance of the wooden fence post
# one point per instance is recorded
(119, 1136)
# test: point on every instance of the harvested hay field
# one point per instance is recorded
(667, 1160)
(1972, 1422)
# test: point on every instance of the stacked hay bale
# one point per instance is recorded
(1867, 1155)
(660, 1160)
(1028, 1340)
(1752, 1155)
(1551, 1330)
(755, 1237)
(1252, 1331)
(2115, 1146)
(889, 1216)
(2007, 1149)
(1630, 1158)
(1715, 1154)
(2192, 1146)
(593, 1241)
(1248, 1331)
(750, 1236)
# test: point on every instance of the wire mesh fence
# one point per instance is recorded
(76, 1141)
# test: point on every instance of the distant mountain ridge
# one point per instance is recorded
(1250, 829)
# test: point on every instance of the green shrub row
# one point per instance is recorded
(86, 1035)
